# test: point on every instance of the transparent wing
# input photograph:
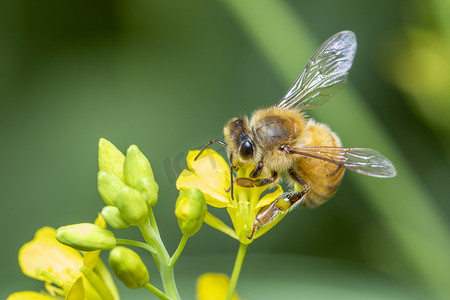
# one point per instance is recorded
(324, 75)
(361, 160)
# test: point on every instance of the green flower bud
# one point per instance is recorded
(149, 190)
(132, 206)
(128, 267)
(109, 186)
(110, 159)
(86, 237)
(112, 216)
(136, 166)
(190, 210)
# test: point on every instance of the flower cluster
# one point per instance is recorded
(67, 259)
(126, 184)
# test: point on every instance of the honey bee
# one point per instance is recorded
(281, 139)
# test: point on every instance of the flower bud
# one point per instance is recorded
(190, 210)
(149, 190)
(110, 159)
(112, 216)
(136, 166)
(109, 186)
(100, 221)
(128, 267)
(132, 206)
(86, 237)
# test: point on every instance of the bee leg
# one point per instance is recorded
(268, 214)
(282, 204)
(257, 171)
(295, 198)
(207, 146)
(249, 182)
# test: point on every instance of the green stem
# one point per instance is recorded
(136, 244)
(162, 259)
(236, 270)
(151, 215)
(180, 248)
(156, 291)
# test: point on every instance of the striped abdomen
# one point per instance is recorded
(322, 177)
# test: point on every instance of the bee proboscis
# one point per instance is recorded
(280, 139)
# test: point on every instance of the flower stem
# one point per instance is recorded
(136, 243)
(180, 248)
(236, 270)
(156, 291)
(162, 259)
(153, 220)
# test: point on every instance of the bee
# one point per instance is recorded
(282, 140)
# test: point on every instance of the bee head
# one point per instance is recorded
(238, 136)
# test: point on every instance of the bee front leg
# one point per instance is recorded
(249, 182)
(257, 171)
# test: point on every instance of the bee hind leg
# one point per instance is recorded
(281, 205)
(295, 199)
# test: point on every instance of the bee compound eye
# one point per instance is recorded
(246, 149)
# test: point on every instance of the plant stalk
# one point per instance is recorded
(236, 270)
(180, 248)
(162, 259)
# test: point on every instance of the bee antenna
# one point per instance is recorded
(207, 146)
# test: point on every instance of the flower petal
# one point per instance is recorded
(270, 197)
(76, 292)
(216, 223)
(94, 287)
(213, 286)
(102, 271)
(45, 254)
(90, 259)
(100, 221)
(188, 179)
(211, 168)
(27, 295)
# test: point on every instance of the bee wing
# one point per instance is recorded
(361, 160)
(324, 75)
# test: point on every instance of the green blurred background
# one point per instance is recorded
(167, 76)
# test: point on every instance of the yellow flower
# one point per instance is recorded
(66, 272)
(213, 286)
(211, 174)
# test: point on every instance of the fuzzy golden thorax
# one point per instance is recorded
(273, 128)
